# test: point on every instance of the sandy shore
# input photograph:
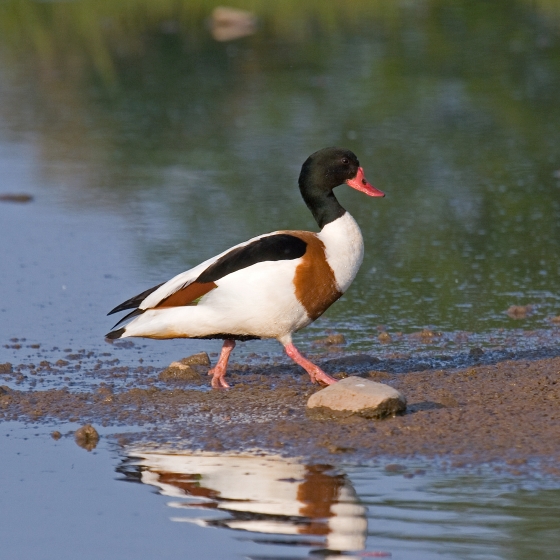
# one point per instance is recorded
(502, 411)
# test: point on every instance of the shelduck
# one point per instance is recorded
(268, 287)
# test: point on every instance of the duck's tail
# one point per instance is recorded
(113, 335)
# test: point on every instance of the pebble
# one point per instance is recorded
(200, 359)
(384, 337)
(395, 467)
(375, 375)
(178, 371)
(10, 197)
(425, 334)
(87, 437)
(476, 352)
(331, 340)
(6, 368)
(186, 369)
(520, 311)
(355, 395)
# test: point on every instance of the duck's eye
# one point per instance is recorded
(345, 161)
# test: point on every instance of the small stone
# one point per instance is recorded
(355, 395)
(425, 335)
(56, 435)
(106, 394)
(395, 467)
(378, 375)
(124, 344)
(200, 359)
(384, 337)
(87, 437)
(476, 352)
(12, 197)
(520, 311)
(331, 340)
(178, 371)
(446, 399)
(360, 362)
(6, 368)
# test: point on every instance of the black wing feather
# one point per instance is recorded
(135, 301)
(128, 316)
(279, 247)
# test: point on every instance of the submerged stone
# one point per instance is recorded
(355, 395)
(520, 311)
(331, 340)
(15, 197)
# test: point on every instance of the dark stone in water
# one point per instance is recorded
(87, 437)
(12, 197)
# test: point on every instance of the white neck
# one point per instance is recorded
(344, 246)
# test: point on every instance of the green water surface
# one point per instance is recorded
(452, 107)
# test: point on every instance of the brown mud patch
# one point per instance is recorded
(507, 411)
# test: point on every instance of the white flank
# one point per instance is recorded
(258, 300)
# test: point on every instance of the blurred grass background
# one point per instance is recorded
(100, 34)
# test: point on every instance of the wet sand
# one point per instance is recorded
(494, 410)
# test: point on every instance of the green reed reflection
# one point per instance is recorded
(103, 34)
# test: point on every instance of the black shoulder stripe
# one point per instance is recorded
(135, 301)
(279, 247)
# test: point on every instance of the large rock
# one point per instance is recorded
(355, 395)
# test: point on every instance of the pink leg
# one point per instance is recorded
(315, 372)
(219, 372)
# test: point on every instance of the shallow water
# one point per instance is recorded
(257, 506)
(147, 147)
(196, 145)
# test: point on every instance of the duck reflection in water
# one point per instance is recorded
(292, 503)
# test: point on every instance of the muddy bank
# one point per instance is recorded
(504, 411)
